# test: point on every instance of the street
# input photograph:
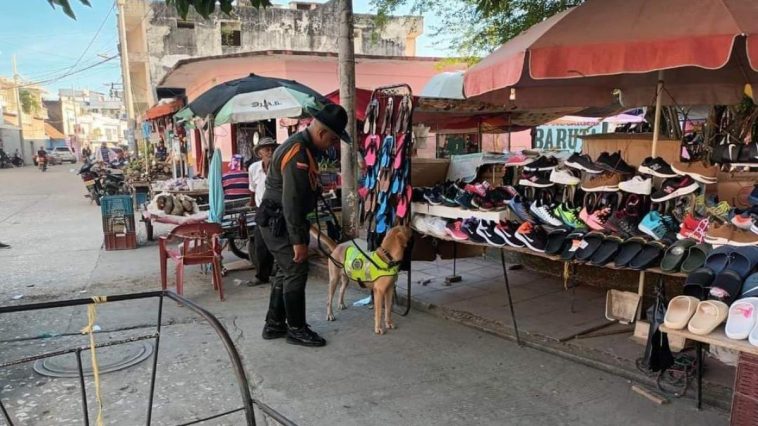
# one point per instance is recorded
(429, 371)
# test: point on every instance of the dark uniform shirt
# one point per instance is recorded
(293, 183)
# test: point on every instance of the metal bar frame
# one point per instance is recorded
(510, 299)
(248, 402)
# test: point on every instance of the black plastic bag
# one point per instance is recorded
(657, 355)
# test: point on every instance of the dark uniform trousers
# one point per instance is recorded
(264, 260)
(288, 283)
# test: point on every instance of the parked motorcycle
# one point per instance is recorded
(101, 181)
(17, 161)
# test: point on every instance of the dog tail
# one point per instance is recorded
(326, 243)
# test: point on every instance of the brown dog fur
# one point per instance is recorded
(394, 243)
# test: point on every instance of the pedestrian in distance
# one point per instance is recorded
(263, 259)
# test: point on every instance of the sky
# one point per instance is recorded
(52, 48)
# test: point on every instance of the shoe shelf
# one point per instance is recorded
(716, 337)
(458, 213)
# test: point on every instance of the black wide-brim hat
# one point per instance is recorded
(264, 142)
(334, 117)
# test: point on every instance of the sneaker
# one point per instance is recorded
(622, 224)
(437, 226)
(675, 187)
(464, 200)
(482, 203)
(608, 182)
(742, 221)
(748, 153)
(731, 235)
(563, 177)
(419, 223)
(500, 196)
(486, 230)
(433, 196)
(672, 227)
(614, 163)
(653, 225)
(542, 163)
(698, 171)
(516, 204)
(479, 189)
(469, 227)
(533, 236)
(637, 185)
(450, 194)
(274, 330)
(693, 228)
(568, 215)
(583, 163)
(454, 230)
(753, 197)
(544, 213)
(304, 336)
(516, 160)
(534, 180)
(597, 219)
(507, 230)
(657, 167)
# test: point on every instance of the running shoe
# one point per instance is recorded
(516, 160)
(753, 197)
(568, 215)
(516, 204)
(563, 177)
(534, 180)
(652, 224)
(603, 182)
(507, 230)
(657, 167)
(482, 203)
(479, 189)
(469, 227)
(597, 219)
(486, 230)
(742, 221)
(455, 230)
(464, 200)
(419, 223)
(541, 164)
(614, 163)
(533, 236)
(544, 213)
(450, 194)
(582, 162)
(693, 228)
(433, 196)
(437, 226)
(622, 224)
(637, 185)
(675, 187)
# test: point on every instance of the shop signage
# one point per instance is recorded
(566, 137)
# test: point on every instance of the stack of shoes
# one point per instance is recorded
(719, 234)
(536, 173)
(698, 171)
(533, 236)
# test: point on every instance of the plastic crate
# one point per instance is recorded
(115, 205)
(140, 199)
(745, 397)
(119, 224)
(127, 241)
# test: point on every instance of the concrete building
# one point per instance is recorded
(157, 38)
(88, 117)
(33, 114)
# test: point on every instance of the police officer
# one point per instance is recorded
(292, 185)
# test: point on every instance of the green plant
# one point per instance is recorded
(30, 103)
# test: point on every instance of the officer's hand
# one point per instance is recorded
(301, 253)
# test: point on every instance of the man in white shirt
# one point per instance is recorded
(263, 259)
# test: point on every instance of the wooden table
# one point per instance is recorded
(716, 338)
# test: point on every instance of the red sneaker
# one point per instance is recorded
(455, 230)
(692, 227)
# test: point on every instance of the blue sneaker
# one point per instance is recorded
(464, 200)
(516, 204)
(652, 224)
(753, 197)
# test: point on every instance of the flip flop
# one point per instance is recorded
(571, 245)
(744, 260)
(372, 113)
(399, 151)
(680, 311)
(385, 178)
(698, 283)
(708, 315)
(589, 245)
(402, 205)
(385, 153)
(628, 250)
(750, 286)
(555, 240)
(649, 256)
(726, 286)
(382, 203)
(696, 257)
(381, 224)
(675, 254)
(607, 250)
(742, 318)
(718, 259)
(371, 143)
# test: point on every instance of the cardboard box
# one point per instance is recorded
(428, 171)
(634, 147)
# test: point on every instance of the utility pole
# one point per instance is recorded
(19, 110)
(346, 58)
(124, 51)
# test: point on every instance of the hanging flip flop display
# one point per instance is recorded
(385, 188)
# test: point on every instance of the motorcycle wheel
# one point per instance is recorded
(95, 196)
(239, 247)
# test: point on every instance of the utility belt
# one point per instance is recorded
(270, 215)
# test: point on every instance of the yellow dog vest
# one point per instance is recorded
(362, 269)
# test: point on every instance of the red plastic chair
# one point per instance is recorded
(200, 245)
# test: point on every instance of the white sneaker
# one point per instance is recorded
(637, 185)
(437, 226)
(419, 223)
(563, 177)
(544, 215)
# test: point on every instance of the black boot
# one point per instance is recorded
(275, 318)
(298, 332)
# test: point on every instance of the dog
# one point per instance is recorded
(386, 261)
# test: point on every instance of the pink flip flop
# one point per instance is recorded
(399, 151)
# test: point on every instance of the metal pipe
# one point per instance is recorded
(657, 123)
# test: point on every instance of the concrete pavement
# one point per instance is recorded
(429, 371)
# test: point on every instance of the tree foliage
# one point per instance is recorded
(66, 6)
(30, 101)
(204, 8)
(474, 28)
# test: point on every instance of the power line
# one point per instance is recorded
(67, 74)
(97, 33)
